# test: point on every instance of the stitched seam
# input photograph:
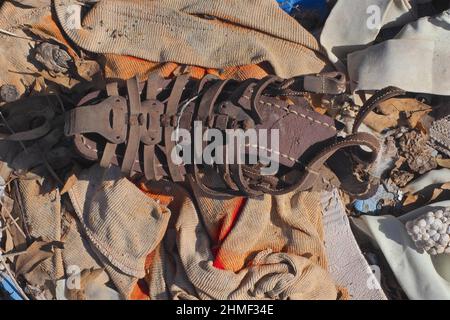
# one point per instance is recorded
(304, 116)
(96, 150)
(247, 145)
(273, 151)
(344, 144)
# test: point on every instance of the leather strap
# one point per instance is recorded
(32, 134)
(112, 89)
(152, 132)
(312, 169)
(373, 102)
(171, 110)
(134, 127)
(209, 99)
(257, 92)
(152, 91)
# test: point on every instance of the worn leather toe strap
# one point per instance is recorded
(373, 102)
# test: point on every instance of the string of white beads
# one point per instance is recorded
(431, 232)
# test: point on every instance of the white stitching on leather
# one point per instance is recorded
(96, 150)
(273, 151)
(296, 113)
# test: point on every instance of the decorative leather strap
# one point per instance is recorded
(374, 101)
(134, 126)
(112, 89)
(151, 134)
(176, 171)
(355, 140)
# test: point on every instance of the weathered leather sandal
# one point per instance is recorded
(133, 128)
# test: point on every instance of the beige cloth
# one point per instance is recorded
(42, 214)
(273, 251)
(213, 34)
(22, 30)
(117, 226)
(120, 222)
(354, 25)
(416, 60)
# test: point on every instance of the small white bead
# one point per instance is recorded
(409, 225)
(422, 223)
(440, 250)
(445, 238)
(426, 237)
(436, 237)
(415, 230)
(432, 251)
(429, 220)
(436, 224)
(439, 214)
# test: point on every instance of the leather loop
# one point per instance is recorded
(240, 181)
(373, 102)
(313, 167)
(325, 83)
(151, 130)
(112, 89)
(258, 91)
(209, 99)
